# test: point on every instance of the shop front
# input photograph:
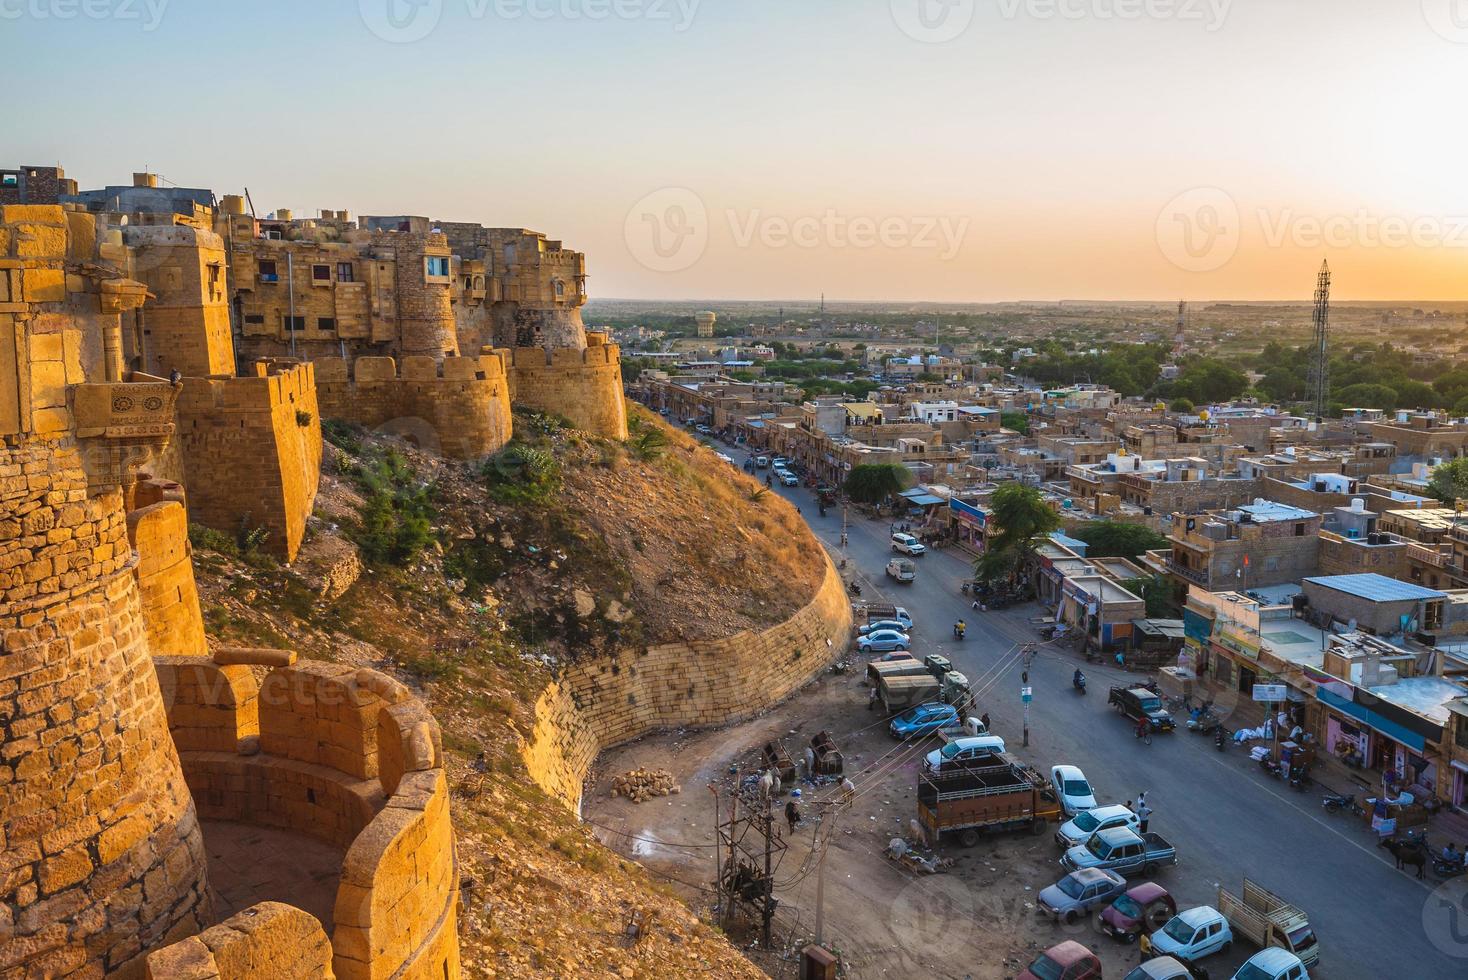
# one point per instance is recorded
(969, 524)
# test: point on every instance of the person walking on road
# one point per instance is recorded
(792, 815)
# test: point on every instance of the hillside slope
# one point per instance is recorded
(479, 583)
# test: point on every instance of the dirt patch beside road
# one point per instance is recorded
(975, 918)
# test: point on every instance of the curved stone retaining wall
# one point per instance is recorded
(603, 702)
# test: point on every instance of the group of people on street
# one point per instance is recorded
(1142, 810)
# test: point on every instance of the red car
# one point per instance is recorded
(1067, 961)
(1141, 908)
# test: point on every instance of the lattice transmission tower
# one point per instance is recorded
(1320, 352)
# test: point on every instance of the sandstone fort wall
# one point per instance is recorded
(609, 700)
(459, 407)
(582, 385)
(346, 756)
(250, 450)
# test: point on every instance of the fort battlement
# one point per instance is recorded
(348, 757)
(601, 702)
(249, 451)
(584, 385)
(459, 407)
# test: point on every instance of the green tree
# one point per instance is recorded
(1161, 597)
(1449, 481)
(1367, 396)
(1116, 539)
(1182, 405)
(1022, 516)
(1018, 421)
(873, 483)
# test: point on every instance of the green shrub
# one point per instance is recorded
(395, 522)
(522, 474)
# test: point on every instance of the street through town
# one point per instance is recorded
(1226, 818)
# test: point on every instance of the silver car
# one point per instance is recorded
(1080, 891)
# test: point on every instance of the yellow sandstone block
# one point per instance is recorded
(46, 347)
(43, 285)
(46, 214)
(51, 421)
(48, 384)
(39, 241)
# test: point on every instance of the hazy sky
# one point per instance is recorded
(870, 149)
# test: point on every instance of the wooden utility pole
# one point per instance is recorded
(769, 909)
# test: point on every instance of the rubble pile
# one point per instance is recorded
(641, 784)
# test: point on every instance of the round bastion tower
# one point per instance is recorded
(424, 278)
(101, 854)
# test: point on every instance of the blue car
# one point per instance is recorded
(923, 720)
(881, 641)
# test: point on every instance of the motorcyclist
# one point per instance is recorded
(1450, 855)
(959, 628)
(1078, 679)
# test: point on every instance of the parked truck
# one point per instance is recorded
(1121, 849)
(902, 691)
(968, 803)
(1267, 920)
(903, 667)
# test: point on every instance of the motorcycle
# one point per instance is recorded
(1445, 867)
(1220, 738)
(1078, 681)
(1299, 778)
(1271, 767)
(959, 630)
(1202, 720)
(1335, 802)
(853, 588)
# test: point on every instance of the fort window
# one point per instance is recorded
(326, 323)
(9, 180)
(254, 317)
(294, 323)
(267, 271)
(344, 272)
(437, 266)
(560, 288)
(321, 275)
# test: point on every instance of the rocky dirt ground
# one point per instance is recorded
(974, 918)
(623, 551)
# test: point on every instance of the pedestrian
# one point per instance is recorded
(1144, 812)
(984, 720)
(792, 815)
(1129, 805)
(848, 791)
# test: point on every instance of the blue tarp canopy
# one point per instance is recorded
(924, 500)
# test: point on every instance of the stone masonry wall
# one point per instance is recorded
(100, 852)
(165, 571)
(463, 412)
(584, 386)
(267, 941)
(603, 702)
(344, 755)
(251, 453)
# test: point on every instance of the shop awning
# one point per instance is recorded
(924, 500)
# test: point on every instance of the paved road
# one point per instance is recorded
(1227, 819)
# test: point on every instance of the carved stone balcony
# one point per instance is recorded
(122, 425)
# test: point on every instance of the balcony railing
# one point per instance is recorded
(1427, 556)
(1191, 574)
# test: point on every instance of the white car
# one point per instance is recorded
(788, 478)
(1273, 964)
(963, 752)
(1087, 823)
(1072, 790)
(899, 625)
(1191, 935)
(761, 462)
(725, 457)
(907, 544)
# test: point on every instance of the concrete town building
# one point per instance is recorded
(126, 744)
(704, 324)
